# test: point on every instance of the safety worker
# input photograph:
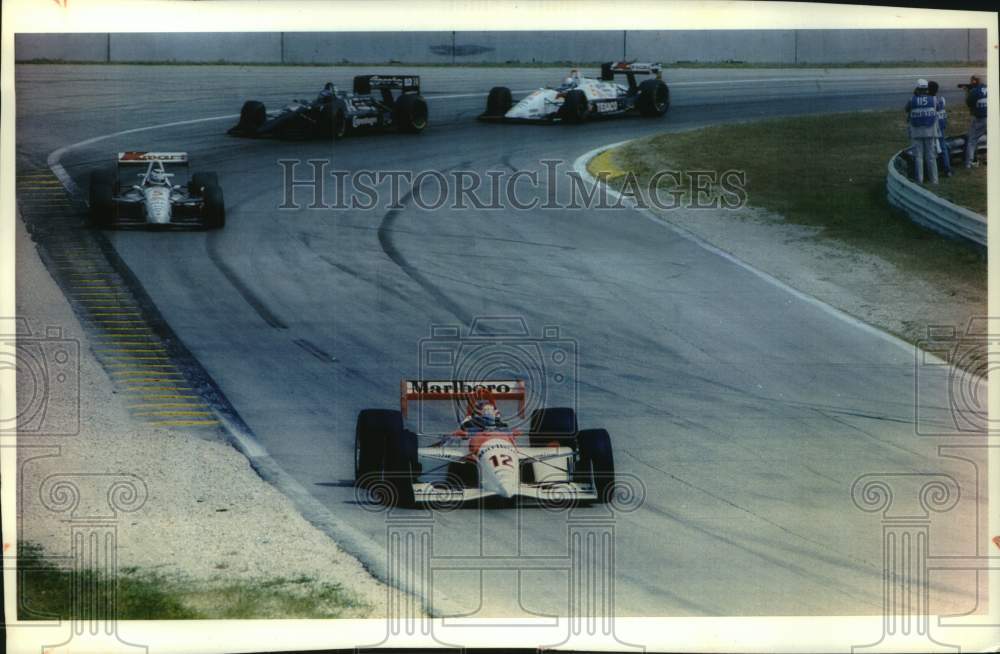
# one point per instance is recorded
(975, 100)
(922, 117)
(942, 143)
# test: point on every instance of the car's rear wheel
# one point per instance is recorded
(596, 464)
(410, 113)
(215, 207)
(385, 456)
(252, 116)
(654, 98)
(199, 181)
(102, 204)
(499, 101)
(553, 426)
(575, 107)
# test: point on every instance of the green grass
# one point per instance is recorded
(965, 187)
(45, 592)
(822, 171)
(518, 64)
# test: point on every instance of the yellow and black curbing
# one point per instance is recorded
(124, 339)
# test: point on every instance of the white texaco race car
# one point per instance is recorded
(142, 192)
(554, 462)
(580, 98)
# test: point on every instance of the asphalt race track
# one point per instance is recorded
(744, 411)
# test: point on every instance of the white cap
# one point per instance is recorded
(921, 84)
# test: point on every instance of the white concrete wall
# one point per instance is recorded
(665, 46)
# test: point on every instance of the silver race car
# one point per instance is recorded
(580, 98)
(143, 191)
(553, 462)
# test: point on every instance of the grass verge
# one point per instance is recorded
(45, 592)
(966, 188)
(820, 171)
(817, 216)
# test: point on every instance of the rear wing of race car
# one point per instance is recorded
(630, 68)
(419, 390)
(365, 84)
(133, 157)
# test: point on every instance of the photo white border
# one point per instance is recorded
(691, 634)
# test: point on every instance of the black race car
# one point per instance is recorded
(334, 113)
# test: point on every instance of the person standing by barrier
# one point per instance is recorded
(975, 100)
(922, 116)
(942, 114)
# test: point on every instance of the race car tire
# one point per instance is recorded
(369, 439)
(385, 456)
(596, 463)
(553, 426)
(499, 101)
(654, 98)
(214, 211)
(102, 205)
(410, 113)
(199, 181)
(252, 116)
(575, 107)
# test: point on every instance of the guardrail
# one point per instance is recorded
(929, 210)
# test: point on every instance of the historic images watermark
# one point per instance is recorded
(91, 506)
(553, 186)
(951, 368)
(46, 370)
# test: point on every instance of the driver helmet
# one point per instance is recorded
(483, 410)
(574, 77)
(158, 177)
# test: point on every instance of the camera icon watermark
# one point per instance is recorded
(951, 376)
(47, 372)
(503, 348)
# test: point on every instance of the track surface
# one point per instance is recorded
(747, 413)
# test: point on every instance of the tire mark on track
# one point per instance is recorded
(248, 295)
(385, 240)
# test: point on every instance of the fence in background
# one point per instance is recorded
(929, 210)
(450, 47)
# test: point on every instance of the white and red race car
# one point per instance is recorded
(553, 462)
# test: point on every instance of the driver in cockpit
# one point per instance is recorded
(573, 80)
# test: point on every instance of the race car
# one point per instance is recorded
(337, 113)
(142, 192)
(579, 98)
(554, 462)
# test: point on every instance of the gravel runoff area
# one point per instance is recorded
(208, 516)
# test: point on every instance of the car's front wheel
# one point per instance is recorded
(102, 204)
(215, 207)
(575, 107)
(252, 116)
(499, 101)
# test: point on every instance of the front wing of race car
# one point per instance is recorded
(544, 474)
